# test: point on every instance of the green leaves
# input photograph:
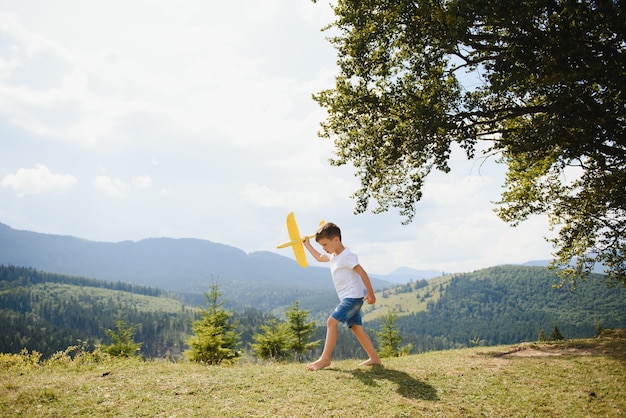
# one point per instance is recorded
(280, 340)
(389, 337)
(215, 340)
(122, 342)
(273, 341)
(546, 92)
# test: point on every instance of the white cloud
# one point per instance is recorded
(206, 110)
(38, 180)
(452, 190)
(113, 187)
(264, 196)
(213, 80)
(117, 188)
(142, 182)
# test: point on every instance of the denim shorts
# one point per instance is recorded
(349, 311)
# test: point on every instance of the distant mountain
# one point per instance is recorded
(598, 268)
(182, 265)
(537, 263)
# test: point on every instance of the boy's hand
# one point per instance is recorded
(370, 298)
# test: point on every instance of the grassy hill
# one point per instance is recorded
(49, 312)
(499, 305)
(582, 378)
(407, 298)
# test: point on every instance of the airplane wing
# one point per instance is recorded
(296, 240)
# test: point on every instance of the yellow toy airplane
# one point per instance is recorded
(296, 240)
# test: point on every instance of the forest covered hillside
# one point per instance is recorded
(49, 312)
(499, 305)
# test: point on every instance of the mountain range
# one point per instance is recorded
(175, 264)
(75, 286)
(185, 265)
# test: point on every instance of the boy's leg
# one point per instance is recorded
(329, 345)
(367, 345)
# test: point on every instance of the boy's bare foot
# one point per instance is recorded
(371, 362)
(319, 364)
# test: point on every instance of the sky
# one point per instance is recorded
(127, 120)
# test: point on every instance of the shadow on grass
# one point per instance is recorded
(408, 386)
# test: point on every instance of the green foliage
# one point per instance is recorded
(282, 340)
(22, 360)
(542, 87)
(389, 337)
(476, 382)
(542, 336)
(11, 276)
(122, 341)
(79, 355)
(504, 305)
(501, 305)
(215, 340)
(300, 331)
(599, 330)
(555, 335)
(476, 341)
(49, 312)
(273, 341)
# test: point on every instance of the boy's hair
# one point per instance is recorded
(328, 231)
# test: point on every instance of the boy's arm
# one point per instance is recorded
(370, 297)
(316, 254)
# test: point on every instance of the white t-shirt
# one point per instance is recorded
(348, 283)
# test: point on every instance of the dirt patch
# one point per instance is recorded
(610, 342)
(536, 350)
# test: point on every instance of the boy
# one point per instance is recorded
(348, 277)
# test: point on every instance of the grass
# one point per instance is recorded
(580, 378)
(87, 296)
(405, 303)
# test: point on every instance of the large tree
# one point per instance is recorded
(539, 83)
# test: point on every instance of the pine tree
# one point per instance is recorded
(599, 330)
(542, 336)
(556, 334)
(300, 331)
(388, 337)
(215, 340)
(272, 342)
(476, 341)
(122, 342)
